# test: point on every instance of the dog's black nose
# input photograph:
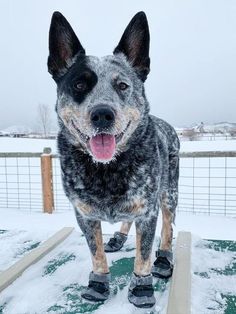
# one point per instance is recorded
(102, 117)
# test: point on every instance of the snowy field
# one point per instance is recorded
(8, 144)
(53, 285)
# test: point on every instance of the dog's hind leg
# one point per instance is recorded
(98, 287)
(125, 227)
(141, 292)
(163, 265)
(119, 238)
(166, 230)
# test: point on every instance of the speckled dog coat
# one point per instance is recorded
(118, 162)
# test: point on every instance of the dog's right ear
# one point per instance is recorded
(63, 45)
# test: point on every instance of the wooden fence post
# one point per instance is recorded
(47, 181)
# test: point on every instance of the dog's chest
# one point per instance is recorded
(111, 193)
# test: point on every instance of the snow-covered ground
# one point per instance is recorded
(207, 227)
(53, 285)
(37, 145)
(202, 146)
(8, 144)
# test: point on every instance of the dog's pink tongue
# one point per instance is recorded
(103, 146)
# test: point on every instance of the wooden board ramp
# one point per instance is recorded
(8, 276)
(179, 301)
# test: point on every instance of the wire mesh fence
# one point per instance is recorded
(207, 183)
(20, 182)
(60, 200)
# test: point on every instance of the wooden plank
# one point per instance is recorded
(8, 276)
(179, 301)
(47, 183)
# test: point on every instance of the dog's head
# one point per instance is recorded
(101, 101)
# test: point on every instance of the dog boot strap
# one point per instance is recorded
(140, 281)
(99, 277)
(98, 287)
(166, 254)
(141, 291)
(163, 265)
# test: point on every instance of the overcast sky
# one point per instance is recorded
(193, 54)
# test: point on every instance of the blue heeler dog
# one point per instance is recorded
(118, 162)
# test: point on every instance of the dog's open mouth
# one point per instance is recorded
(102, 145)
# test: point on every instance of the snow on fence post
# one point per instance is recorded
(47, 181)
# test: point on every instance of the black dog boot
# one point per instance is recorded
(98, 288)
(141, 292)
(163, 265)
(115, 243)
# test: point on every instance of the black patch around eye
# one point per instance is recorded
(78, 81)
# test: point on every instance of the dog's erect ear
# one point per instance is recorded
(134, 44)
(63, 45)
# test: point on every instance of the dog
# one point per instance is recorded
(118, 162)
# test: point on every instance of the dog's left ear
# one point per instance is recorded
(134, 44)
(63, 45)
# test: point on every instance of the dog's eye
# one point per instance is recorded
(80, 86)
(123, 86)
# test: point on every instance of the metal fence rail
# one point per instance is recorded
(207, 182)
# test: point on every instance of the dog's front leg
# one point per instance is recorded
(98, 287)
(141, 292)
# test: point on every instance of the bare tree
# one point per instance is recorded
(44, 119)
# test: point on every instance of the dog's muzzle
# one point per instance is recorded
(103, 145)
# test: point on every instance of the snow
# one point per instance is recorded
(53, 285)
(41, 287)
(202, 146)
(15, 243)
(209, 278)
(208, 227)
(37, 145)
(8, 145)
